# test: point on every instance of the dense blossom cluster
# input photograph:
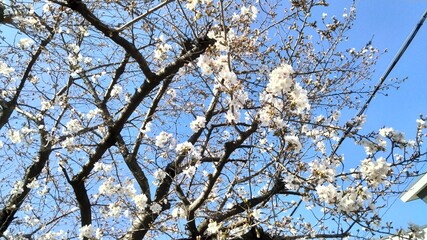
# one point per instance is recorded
(190, 119)
(163, 138)
(198, 124)
(281, 89)
(375, 171)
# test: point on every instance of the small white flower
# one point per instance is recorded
(172, 93)
(33, 184)
(375, 171)
(140, 201)
(86, 231)
(178, 212)
(204, 63)
(293, 143)
(93, 113)
(117, 89)
(386, 131)
(25, 43)
(191, 4)
(184, 148)
(189, 171)
(107, 188)
(68, 144)
(159, 175)
(421, 123)
(72, 126)
(198, 123)
(162, 139)
(14, 136)
(280, 79)
(18, 187)
(256, 213)
(327, 194)
(213, 227)
(114, 210)
(156, 208)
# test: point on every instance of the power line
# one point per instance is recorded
(382, 79)
(387, 72)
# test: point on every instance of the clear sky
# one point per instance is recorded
(391, 22)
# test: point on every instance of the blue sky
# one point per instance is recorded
(390, 22)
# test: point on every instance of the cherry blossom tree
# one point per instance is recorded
(191, 119)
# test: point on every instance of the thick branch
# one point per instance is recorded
(229, 148)
(8, 107)
(80, 7)
(16, 200)
(248, 204)
(84, 203)
(171, 171)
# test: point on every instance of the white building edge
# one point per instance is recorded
(417, 190)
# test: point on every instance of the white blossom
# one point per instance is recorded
(189, 171)
(178, 212)
(93, 113)
(293, 143)
(256, 213)
(140, 201)
(159, 175)
(183, 148)
(280, 79)
(228, 81)
(115, 92)
(162, 49)
(213, 227)
(45, 105)
(198, 123)
(323, 171)
(74, 48)
(14, 136)
(375, 171)
(102, 167)
(156, 208)
(25, 43)
(128, 188)
(33, 184)
(299, 97)
(68, 144)
(204, 63)
(250, 11)
(421, 123)
(52, 235)
(114, 210)
(108, 188)
(191, 4)
(5, 70)
(86, 231)
(18, 187)
(72, 126)
(327, 193)
(163, 138)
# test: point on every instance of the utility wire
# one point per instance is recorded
(395, 60)
(382, 79)
(377, 87)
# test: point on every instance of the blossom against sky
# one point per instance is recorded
(388, 23)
